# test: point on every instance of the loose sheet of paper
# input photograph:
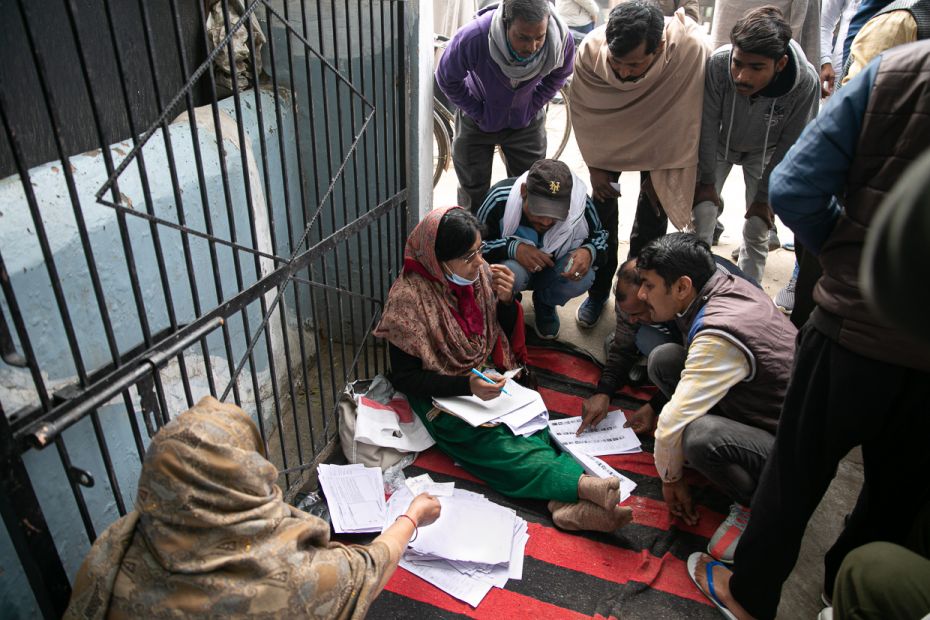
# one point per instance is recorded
(592, 464)
(597, 467)
(469, 528)
(609, 437)
(424, 484)
(355, 497)
(528, 419)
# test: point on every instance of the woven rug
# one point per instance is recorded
(637, 572)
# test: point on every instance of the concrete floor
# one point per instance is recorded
(801, 593)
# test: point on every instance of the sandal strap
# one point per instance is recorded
(710, 582)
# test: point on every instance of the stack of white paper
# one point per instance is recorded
(522, 410)
(355, 497)
(473, 546)
(610, 437)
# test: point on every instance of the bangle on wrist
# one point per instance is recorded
(416, 530)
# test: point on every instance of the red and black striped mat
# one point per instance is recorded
(636, 572)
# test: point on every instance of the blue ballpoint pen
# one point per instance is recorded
(488, 379)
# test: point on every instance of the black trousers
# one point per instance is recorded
(473, 155)
(647, 226)
(836, 400)
(808, 274)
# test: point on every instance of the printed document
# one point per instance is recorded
(609, 437)
(355, 497)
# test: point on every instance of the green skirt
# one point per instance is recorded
(513, 465)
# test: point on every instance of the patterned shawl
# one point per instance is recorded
(423, 314)
(652, 124)
(212, 537)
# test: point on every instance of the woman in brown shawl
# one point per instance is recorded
(443, 317)
(212, 537)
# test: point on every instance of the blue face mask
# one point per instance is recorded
(455, 278)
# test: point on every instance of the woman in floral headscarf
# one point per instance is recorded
(443, 317)
(211, 536)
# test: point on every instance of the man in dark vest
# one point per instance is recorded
(725, 385)
(856, 380)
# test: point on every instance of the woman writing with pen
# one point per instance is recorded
(450, 312)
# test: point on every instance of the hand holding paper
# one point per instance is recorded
(424, 509)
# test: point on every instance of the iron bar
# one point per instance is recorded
(202, 184)
(227, 197)
(308, 221)
(269, 348)
(45, 429)
(147, 196)
(178, 198)
(86, 246)
(285, 183)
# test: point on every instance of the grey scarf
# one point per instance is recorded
(550, 57)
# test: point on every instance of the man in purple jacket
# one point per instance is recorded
(501, 70)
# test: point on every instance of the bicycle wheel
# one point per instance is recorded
(442, 147)
(558, 124)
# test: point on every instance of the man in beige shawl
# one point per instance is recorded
(211, 537)
(636, 101)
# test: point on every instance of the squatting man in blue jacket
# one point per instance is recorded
(543, 226)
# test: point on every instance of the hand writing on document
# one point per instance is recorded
(484, 390)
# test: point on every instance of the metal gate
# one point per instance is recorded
(200, 198)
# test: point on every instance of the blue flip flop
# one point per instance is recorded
(693, 560)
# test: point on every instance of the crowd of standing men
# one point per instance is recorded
(824, 106)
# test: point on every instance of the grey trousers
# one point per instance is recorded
(728, 453)
(473, 154)
(755, 247)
